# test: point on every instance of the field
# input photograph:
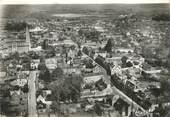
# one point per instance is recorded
(35, 11)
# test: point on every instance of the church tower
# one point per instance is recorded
(28, 38)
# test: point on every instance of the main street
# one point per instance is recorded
(117, 91)
(32, 111)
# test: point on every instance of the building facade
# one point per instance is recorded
(10, 45)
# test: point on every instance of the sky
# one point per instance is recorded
(80, 1)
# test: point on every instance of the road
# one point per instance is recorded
(32, 111)
(115, 90)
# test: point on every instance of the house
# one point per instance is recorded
(97, 69)
(71, 53)
(2, 74)
(116, 69)
(43, 97)
(40, 85)
(87, 70)
(26, 73)
(70, 70)
(51, 63)
(152, 71)
(36, 30)
(137, 59)
(90, 44)
(69, 42)
(90, 79)
(114, 59)
(47, 92)
(15, 93)
(19, 82)
(77, 61)
(99, 28)
(95, 93)
(38, 48)
(124, 50)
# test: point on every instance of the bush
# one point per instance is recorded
(25, 89)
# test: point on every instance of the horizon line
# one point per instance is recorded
(11, 2)
(75, 3)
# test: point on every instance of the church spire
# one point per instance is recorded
(28, 37)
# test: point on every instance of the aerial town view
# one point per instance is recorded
(93, 60)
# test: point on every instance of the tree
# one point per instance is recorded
(91, 53)
(5, 91)
(107, 68)
(76, 81)
(56, 107)
(15, 26)
(25, 89)
(98, 109)
(109, 46)
(56, 92)
(33, 55)
(64, 89)
(159, 111)
(16, 87)
(79, 53)
(42, 67)
(124, 59)
(73, 47)
(42, 59)
(88, 63)
(60, 92)
(161, 17)
(80, 32)
(101, 61)
(73, 82)
(10, 106)
(26, 59)
(8, 109)
(45, 75)
(79, 43)
(94, 35)
(50, 53)
(16, 56)
(85, 50)
(58, 72)
(165, 85)
(45, 44)
(129, 64)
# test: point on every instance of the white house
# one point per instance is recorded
(51, 63)
(19, 82)
(90, 79)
